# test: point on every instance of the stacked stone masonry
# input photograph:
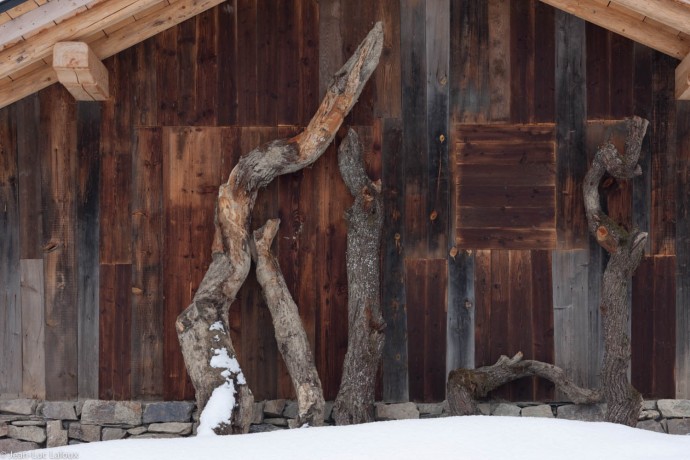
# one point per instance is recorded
(27, 424)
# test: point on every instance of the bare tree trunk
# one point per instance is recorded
(292, 340)
(202, 328)
(355, 400)
(465, 386)
(626, 249)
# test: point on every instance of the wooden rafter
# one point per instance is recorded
(80, 71)
(683, 79)
(628, 23)
(123, 34)
(669, 12)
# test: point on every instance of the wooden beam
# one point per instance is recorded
(683, 79)
(77, 28)
(179, 11)
(661, 38)
(43, 17)
(80, 71)
(669, 12)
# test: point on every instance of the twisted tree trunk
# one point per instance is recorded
(355, 400)
(465, 386)
(202, 328)
(290, 335)
(626, 249)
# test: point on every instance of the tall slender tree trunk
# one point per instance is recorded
(355, 400)
(222, 394)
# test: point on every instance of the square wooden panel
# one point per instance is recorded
(505, 186)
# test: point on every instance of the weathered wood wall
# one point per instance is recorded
(480, 121)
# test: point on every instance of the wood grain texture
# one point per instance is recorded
(571, 161)
(147, 254)
(542, 320)
(460, 344)
(522, 56)
(87, 240)
(393, 300)
(682, 367)
(59, 176)
(10, 306)
(33, 328)
(499, 59)
(115, 320)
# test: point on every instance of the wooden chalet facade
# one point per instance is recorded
(480, 122)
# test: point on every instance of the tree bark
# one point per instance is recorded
(202, 328)
(290, 335)
(355, 400)
(465, 386)
(626, 250)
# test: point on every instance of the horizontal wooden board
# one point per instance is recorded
(505, 133)
(506, 238)
(505, 153)
(517, 217)
(520, 175)
(499, 195)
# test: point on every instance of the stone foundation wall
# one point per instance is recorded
(27, 424)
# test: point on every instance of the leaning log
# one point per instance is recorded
(290, 335)
(626, 250)
(466, 386)
(202, 328)
(355, 400)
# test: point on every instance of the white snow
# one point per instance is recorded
(218, 409)
(217, 326)
(485, 438)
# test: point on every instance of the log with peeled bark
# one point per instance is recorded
(626, 250)
(466, 386)
(290, 335)
(355, 400)
(202, 328)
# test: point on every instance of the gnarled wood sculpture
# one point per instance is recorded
(465, 386)
(355, 400)
(202, 328)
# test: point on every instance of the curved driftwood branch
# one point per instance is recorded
(202, 327)
(355, 400)
(465, 386)
(626, 249)
(290, 335)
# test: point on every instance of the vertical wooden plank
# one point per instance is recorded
(29, 178)
(542, 320)
(206, 67)
(482, 288)
(393, 301)
(387, 76)
(414, 104)
(145, 83)
(187, 75)
(460, 348)
(664, 326)
(522, 57)
(501, 317)
(435, 330)
(470, 90)
(288, 62)
(191, 176)
(416, 286)
(622, 77)
(166, 76)
(33, 336)
(521, 307)
(642, 328)
(499, 59)
(266, 59)
(598, 57)
(682, 368)
(226, 45)
(544, 63)
(115, 321)
(308, 61)
(147, 244)
(246, 63)
(330, 42)
(571, 162)
(663, 128)
(437, 110)
(10, 306)
(88, 159)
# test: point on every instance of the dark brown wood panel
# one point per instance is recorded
(522, 56)
(505, 217)
(115, 332)
(483, 308)
(497, 196)
(506, 238)
(504, 153)
(542, 320)
(508, 133)
(519, 320)
(207, 102)
(147, 253)
(226, 43)
(683, 252)
(426, 299)
(59, 174)
(500, 310)
(517, 175)
(598, 42)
